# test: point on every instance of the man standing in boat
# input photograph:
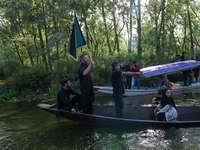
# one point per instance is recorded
(86, 84)
(118, 88)
(196, 71)
(128, 78)
(184, 72)
(136, 77)
(63, 97)
(183, 56)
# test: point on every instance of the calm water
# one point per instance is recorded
(24, 126)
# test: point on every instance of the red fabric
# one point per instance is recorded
(150, 82)
(168, 84)
(161, 82)
(137, 69)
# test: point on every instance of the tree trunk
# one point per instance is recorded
(131, 17)
(115, 27)
(163, 26)
(157, 34)
(55, 27)
(191, 37)
(18, 53)
(30, 55)
(42, 47)
(184, 41)
(35, 43)
(139, 31)
(104, 19)
(46, 36)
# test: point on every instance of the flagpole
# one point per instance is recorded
(89, 54)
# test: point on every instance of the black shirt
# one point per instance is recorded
(126, 67)
(63, 98)
(117, 84)
(86, 84)
(182, 58)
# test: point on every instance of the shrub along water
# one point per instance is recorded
(23, 80)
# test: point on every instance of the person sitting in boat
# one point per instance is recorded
(160, 93)
(156, 99)
(128, 78)
(118, 88)
(63, 97)
(167, 107)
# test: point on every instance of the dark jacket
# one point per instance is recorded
(126, 67)
(86, 85)
(118, 88)
(63, 98)
(182, 58)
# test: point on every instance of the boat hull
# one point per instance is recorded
(132, 92)
(133, 117)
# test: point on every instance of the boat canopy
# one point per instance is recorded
(170, 68)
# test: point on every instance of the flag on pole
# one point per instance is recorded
(77, 39)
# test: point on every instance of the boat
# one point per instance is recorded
(165, 69)
(133, 116)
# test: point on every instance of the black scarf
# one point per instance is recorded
(167, 100)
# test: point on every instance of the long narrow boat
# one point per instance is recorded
(133, 116)
(166, 69)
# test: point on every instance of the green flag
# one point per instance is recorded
(77, 39)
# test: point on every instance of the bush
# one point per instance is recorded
(30, 78)
(8, 68)
(65, 69)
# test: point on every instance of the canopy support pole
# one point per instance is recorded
(165, 79)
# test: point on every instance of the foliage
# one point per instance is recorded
(31, 78)
(8, 68)
(35, 37)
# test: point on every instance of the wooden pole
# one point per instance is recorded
(89, 53)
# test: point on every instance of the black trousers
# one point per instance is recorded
(128, 82)
(190, 77)
(87, 105)
(74, 101)
(119, 105)
(185, 77)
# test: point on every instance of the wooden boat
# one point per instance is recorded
(133, 116)
(164, 69)
(146, 90)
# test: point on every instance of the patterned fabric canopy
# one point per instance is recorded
(170, 68)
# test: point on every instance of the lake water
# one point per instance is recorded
(24, 126)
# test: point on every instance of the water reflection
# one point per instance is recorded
(24, 126)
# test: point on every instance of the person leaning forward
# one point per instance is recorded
(86, 84)
(63, 97)
(128, 78)
(118, 88)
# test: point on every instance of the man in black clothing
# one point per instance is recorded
(128, 78)
(86, 85)
(183, 56)
(118, 88)
(185, 73)
(196, 70)
(63, 97)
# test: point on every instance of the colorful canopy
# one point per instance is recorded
(170, 68)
